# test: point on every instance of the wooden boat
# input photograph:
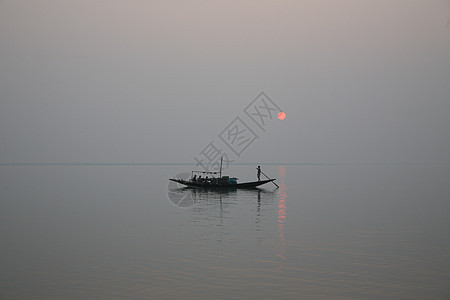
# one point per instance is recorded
(221, 182)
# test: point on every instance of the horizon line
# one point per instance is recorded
(193, 164)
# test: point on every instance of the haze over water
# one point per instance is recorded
(102, 101)
(154, 81)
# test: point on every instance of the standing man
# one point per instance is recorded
(258, 173)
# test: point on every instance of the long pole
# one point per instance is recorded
(270, 178)
(220, 172)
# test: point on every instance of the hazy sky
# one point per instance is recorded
(156, 81)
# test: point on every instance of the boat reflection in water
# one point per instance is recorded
(185, 197)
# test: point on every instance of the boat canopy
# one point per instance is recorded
(213, 173)
(205, 172)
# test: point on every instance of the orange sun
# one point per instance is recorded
(281, 115)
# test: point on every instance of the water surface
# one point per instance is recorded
(328, 232)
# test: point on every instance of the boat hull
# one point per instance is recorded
(243, 185)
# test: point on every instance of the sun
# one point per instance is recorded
(281, 115)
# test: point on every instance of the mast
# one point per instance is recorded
(220, 172)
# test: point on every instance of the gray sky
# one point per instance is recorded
(156, 81)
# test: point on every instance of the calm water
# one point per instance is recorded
(328, 232)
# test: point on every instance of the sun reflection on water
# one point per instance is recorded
(281, 249)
